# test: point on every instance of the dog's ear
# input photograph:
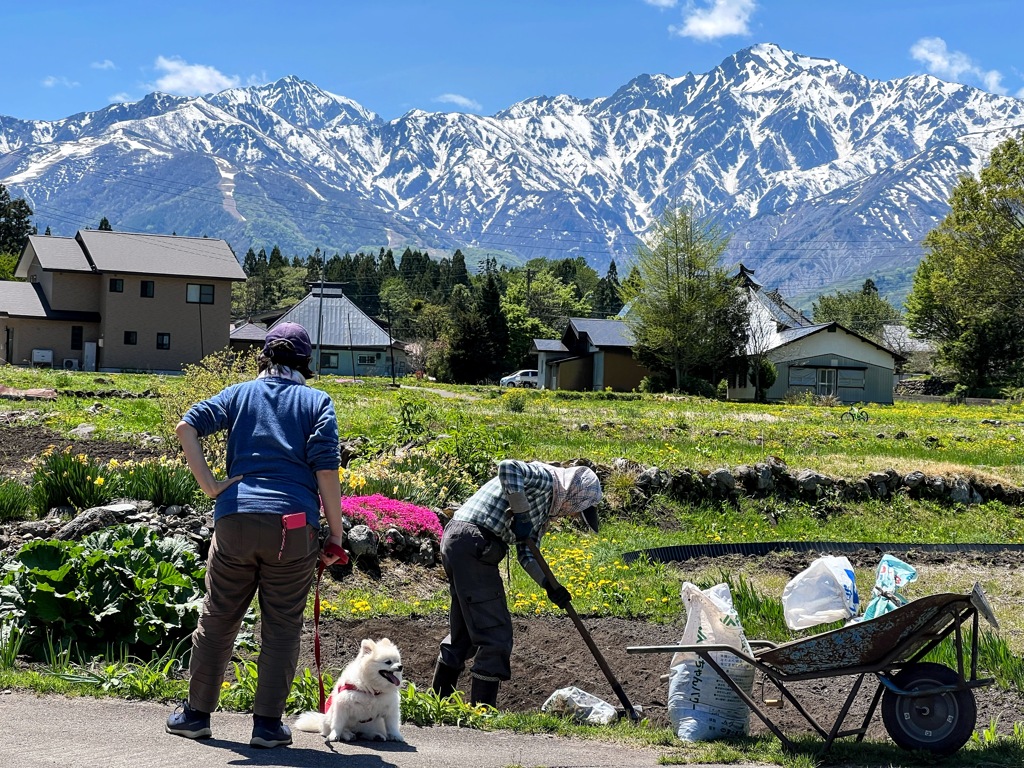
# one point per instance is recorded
(367, 646)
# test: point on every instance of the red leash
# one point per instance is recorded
(334, 550)
(316, 632)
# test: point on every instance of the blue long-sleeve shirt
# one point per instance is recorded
(280, 433)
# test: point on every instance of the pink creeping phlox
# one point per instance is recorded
(380, 513)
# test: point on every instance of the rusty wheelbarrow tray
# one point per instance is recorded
(924, 705)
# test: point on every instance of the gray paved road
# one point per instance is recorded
(101, 733)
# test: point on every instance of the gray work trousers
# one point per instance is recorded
(244, 561)
(479, 624)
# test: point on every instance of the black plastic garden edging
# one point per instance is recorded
(681, 553)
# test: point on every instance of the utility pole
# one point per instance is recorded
(391, 347)
(320, 322)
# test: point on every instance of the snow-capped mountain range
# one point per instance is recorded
(819, 174)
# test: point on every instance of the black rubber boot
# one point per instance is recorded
(445, 680)
(484, 692)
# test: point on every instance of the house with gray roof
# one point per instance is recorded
(346, 341)
(114, 301)
(820, 358)
(591, 355)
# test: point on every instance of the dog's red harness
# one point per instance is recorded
(350, 687)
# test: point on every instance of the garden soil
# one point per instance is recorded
(549, 652)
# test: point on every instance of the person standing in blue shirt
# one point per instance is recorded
(508, 510)
(282, 464)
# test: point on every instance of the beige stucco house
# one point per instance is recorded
(114, 301)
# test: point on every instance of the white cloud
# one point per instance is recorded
(120, 98)
(184, 79)
(459, 101)
(954, 65)
(105, 64)
(661, 3)
(51, 81)
(719, 18)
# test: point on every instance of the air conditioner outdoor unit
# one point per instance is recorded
(42, 357)
(71, 363)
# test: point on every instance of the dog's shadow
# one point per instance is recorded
(306, 757)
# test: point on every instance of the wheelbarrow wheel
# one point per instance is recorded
(940, 723)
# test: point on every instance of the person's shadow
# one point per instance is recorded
(305, 757)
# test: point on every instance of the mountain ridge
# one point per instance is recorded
(818, 173)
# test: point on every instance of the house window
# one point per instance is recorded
(199, 293)
(76, 337)
(163, 341)
(116, 285)
(851, 378)
(738, 380)
(826, 381)
(366, 359)
(146, 289)
(131, 338)
(329, 360)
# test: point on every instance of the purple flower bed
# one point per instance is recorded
(380, 513)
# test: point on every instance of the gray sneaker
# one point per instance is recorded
(268, 733)
(188, 722)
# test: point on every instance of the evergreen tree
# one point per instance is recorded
(15, 223)
(608, 294)
(104, 225)
(459, 275)
(47, 232)
(494, 347)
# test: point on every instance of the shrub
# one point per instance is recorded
(692, 385)
(799, 397)
(380, 513)
(65, 479)
(15, 501)
(123, 587)
(163, 482)
(722, 390)
(827, 401)
(200, 381)
(514, 401)
(959, 395)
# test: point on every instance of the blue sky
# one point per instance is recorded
(477, 56)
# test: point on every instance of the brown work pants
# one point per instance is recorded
(244, 561)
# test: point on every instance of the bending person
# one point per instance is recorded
(512, 507)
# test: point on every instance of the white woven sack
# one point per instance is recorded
(701, 705)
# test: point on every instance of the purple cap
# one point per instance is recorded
(294, 334)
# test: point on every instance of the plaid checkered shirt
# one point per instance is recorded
(488, 507)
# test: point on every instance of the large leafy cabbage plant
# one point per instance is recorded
(124, 589)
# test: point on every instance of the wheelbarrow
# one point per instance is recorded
(925, 705)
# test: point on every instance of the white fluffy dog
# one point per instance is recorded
(365, 701)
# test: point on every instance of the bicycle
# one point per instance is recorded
(854, 413)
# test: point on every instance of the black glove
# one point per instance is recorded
(522, 528)
(557, 594)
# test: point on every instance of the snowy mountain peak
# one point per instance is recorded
(821, 175)
(300, 102)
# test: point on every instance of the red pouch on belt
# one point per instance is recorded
(290, 522)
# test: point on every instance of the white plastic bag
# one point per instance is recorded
(701, 705)
(825, 591)
(581, 706)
